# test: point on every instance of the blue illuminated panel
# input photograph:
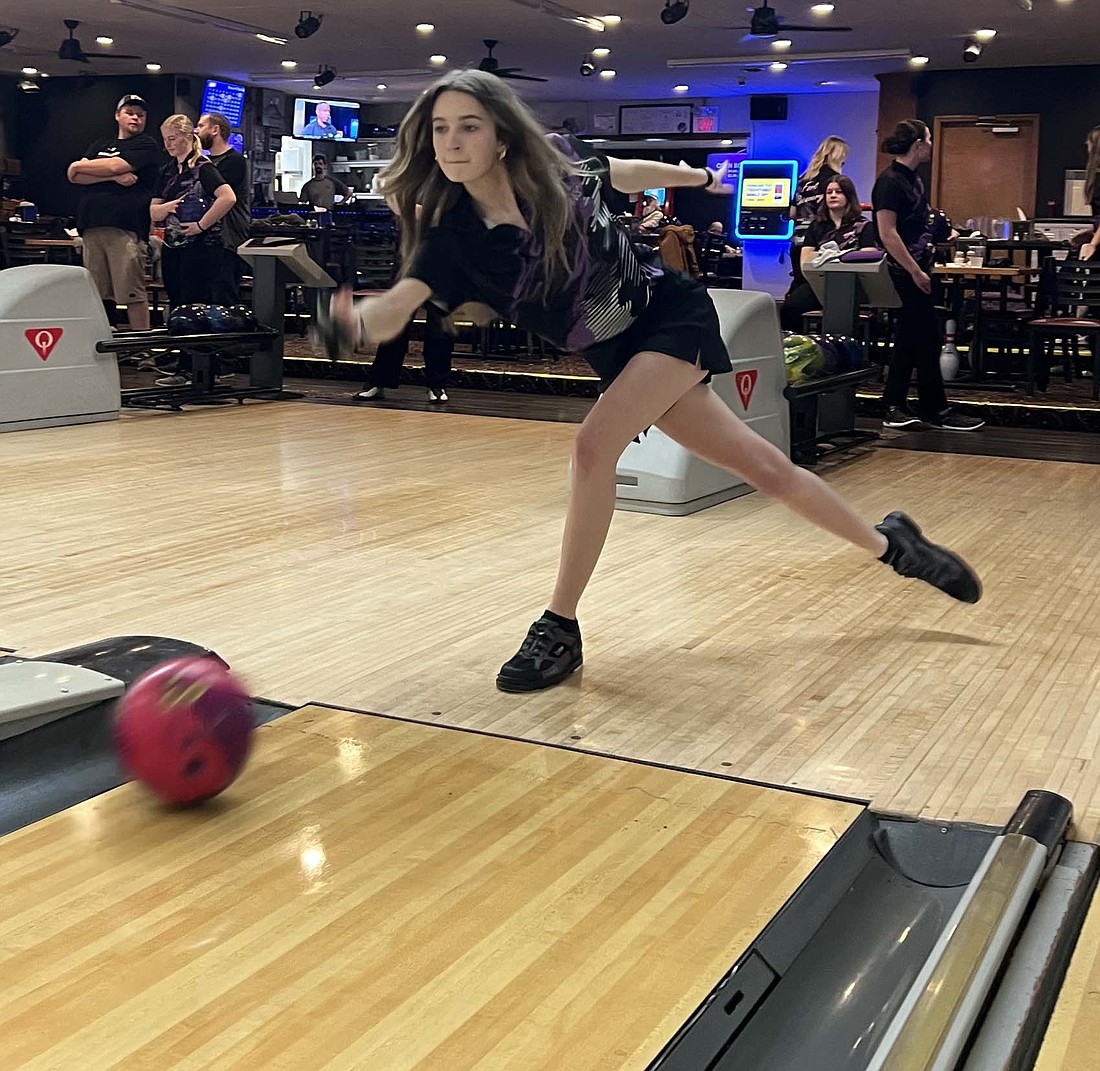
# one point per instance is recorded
(765, 192)
(226, 99)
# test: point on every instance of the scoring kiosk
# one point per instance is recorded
(657, 475)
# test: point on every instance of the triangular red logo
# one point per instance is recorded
(746, 384)
(43, 339)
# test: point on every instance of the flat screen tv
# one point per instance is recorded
(225, 98)
(322, 119)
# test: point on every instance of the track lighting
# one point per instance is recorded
(324, 75)
(7, 36)
(674, 11)
(308, 24)
(588, 68)
(972, 51)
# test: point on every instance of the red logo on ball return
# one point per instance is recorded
(746, 384)
(43, 339)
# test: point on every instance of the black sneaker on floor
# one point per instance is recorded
(545, 658)
(902, 418)
(910, 554)
(953, 421)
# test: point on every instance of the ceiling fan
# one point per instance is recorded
(70, 48)
(766, 22)
(491, 65)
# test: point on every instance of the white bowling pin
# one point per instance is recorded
(949, 355)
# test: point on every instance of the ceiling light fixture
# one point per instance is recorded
(918, 61)
(7, 36)
(30, 70)
(821, 9)
(438, 59)
(985, 35)
(381, 85)
(425, 27)
(154, 67)
(777, 66)
(608, 74)
(972, 51)
(680, 89)
(750, 59)
(104, 40)
(27, 86)
(588, 68)
(324, 75)
(308, 24)
(674, 11)
(601, 53)
(611, 20)
(271, 39)
(290, 64)
(781, 44)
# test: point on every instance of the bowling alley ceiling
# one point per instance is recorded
(376, 42)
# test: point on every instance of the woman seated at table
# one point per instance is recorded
(840, 220)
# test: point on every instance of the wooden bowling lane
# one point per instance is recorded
(1071, 1039)
(383, 894)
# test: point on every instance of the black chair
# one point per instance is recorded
(1076, 285)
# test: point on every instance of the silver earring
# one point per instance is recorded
(503, 153)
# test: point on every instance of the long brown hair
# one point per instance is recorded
(537, 170)
(182, 124)
(852, 208)
(1092, 168)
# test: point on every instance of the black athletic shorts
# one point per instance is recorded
(680, 320)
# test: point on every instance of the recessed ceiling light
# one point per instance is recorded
(781, 44)
(437, 59)
(611, 20)
(30, 70)
(822, 9)
(44, 74)
(601, 53)
(985, 35)
(726, 141)
(271, 40)
(381, 85)
(680, 89)
(290, 64)
(607, 74)
(104, 40)
(827, 82)
(154, 67)
(777, 66)
(918, 61)
(425, 27)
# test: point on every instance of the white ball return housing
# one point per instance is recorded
(51, 319)
(657, 475)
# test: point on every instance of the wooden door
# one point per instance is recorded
(985, 171)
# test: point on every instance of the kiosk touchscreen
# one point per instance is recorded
(765, 192)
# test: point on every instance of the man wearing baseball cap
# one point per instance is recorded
(113, 216)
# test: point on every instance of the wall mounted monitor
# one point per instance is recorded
(226, 98)
(323, 119)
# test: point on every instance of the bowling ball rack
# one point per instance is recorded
(201, 348)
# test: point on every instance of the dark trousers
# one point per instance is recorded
(188, 274)
(225, 282)
(800, 299)
(917, 344)
(385, 370)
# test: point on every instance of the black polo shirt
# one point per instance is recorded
(901, 191)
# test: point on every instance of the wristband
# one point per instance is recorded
(712, 179)
(198, 223)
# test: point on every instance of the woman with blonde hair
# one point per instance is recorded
(495, 211)
(826, 163)
(190, 199)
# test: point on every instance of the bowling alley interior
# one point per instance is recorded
(275, 793)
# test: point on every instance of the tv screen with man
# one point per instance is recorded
(326, 120)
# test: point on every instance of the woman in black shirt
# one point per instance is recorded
(1092, 173)
(903, 222)
(840, 219)
(497, 212)
(809, 195)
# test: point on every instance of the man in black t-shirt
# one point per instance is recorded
(113, 214)
(213, 130)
